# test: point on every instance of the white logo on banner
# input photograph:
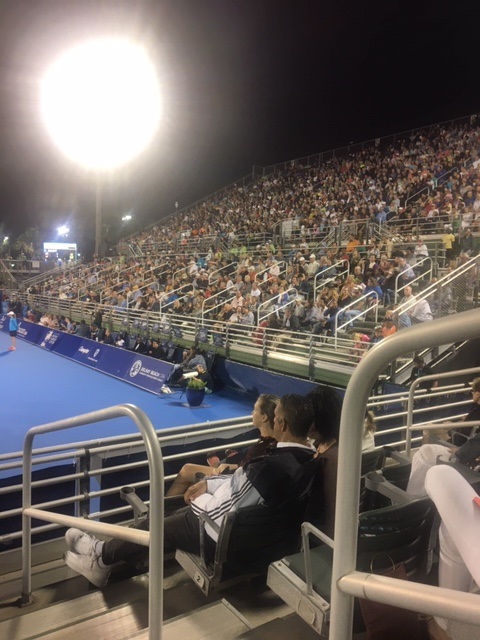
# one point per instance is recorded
(136, 368)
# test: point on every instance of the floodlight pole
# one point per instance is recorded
(98, 215)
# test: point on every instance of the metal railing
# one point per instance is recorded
(460, 284)
(273, 305)
(314, 159)
(154, 539)
(346, 581)
(367, 309)
(406, 419)
(455, 291)
(417, 279)
(322, 278)
(224, 298)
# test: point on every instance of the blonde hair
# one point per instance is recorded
(369, 423)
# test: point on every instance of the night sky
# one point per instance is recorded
(245, 82)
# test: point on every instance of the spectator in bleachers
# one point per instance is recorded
(467, 243)
(108, 338)
(262, 419)
(191, 358)
(257, 483)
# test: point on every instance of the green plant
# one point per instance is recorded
(195, 383)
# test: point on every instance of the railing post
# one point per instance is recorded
(155, 462)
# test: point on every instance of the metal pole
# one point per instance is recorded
(155, 461)
(428, 334)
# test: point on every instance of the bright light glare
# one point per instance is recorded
(5, 239)
(101, 102)
(126, 217)
(63, 230)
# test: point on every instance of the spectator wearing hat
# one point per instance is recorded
(377, 335)
(419, 370)
(12, 328)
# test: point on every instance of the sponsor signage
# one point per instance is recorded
(147, 373)
(30, 331)
(50, 339)
(144, 372)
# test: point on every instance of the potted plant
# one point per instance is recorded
(195, 392)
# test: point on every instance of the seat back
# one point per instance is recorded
(257, 536)
(249, 540)
(387, 536)
(394, 534)
(372, 460)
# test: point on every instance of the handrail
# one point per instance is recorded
(154, 539)
(416, 194)
(411, 395)
(268, 303)
(163, 298)
(432, 288)
(220, 294)
(363, 312)
(215, 271)
(373, 142)
(413, 280)
(460, 327)
(322, 275)
(267, 270)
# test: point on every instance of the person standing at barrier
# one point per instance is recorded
(279, 478)
(12, 328)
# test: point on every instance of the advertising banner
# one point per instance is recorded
(67, 345)
(29, 331)
(141, 371)
(50, 339)
(147, 373)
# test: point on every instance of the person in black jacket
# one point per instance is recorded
(281, 478)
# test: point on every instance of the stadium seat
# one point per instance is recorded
(391, 535)
(248, 541)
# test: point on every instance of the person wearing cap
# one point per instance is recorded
(419, 370)
(377, 335)
(12, 328)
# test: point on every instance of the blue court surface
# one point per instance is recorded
(38, 386)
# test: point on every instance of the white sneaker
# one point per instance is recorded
(166, 389)
(87, 565)
(81, 542)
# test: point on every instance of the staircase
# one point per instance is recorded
(65, 606)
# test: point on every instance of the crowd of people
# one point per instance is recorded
(371, 184)
(303, 280)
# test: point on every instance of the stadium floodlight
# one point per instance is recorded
(63, 230)
(101, 104)
(126, 217)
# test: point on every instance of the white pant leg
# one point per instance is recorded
(423, 460)
(460, 530)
